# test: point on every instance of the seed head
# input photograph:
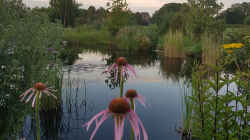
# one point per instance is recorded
(121, 61)
(119, 106)
(40, 86)
(131, 93)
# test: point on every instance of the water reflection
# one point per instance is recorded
(86, 91)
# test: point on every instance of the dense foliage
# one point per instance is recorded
(29, 43)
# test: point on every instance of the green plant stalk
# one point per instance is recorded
(132, 136)
(216, 104)
(121, 82)
(37, 117)
(226, 113)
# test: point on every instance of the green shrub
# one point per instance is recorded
(137, 37)
(88, 36)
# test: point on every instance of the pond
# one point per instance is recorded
(87, 91)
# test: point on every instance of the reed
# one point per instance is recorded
(210, 50)
(173, 44)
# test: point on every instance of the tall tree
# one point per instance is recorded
(65, 10)
(201, 17)
(165, 15)
(119, 16)
(237, 13)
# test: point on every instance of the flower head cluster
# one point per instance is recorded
(121, 65)
(233, 46)
(120, 109)
(38, 90)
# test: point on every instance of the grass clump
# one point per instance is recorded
(178, 45)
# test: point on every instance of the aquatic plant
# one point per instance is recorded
(120, 109)
(36, 92)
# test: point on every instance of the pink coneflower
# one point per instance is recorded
(131, 94)
(122, 65)
(120, 109)
(37, 90)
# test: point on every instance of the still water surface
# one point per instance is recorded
(87, 91)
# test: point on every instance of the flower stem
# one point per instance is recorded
(121, 82)
(37, 117)
(132, 136)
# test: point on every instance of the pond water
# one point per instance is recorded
(87, 91)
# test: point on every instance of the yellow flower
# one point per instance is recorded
(233, 46)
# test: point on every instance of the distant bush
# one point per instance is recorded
(88, 36)
(137, 37)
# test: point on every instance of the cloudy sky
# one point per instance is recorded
(134, 5)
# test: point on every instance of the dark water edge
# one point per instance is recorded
(86, 91)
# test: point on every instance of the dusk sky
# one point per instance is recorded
(135, 5)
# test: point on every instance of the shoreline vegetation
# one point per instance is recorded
(36, 43)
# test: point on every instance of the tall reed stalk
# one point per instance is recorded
(173, 44)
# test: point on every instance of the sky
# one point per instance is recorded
(135, 5)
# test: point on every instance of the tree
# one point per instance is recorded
(201, 17)
(237, 13)
(165, 15)
(119, 16)
(65, 10)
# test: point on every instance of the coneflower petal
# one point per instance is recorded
(111, 67)
(104, 117)
(40, 96)
(121, 128)
(88, 124)
(25, 93)
(135, 126)
(30, 96)
(34, 100)
(131, 69)
(49, 93)
(116, 73)
(141, 99)
(145, 135)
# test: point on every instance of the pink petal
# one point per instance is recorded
(145, 135)
(28, 99)
(34, 100)
(104, 117)
(40, 96)
(135, 127)
(141, 99)
(88, 124)
(119, 127)
(111, 67)
(49, 94)
(131, 69)
(116, 127)
(25, 93)
(116, 73)
(123, 72)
